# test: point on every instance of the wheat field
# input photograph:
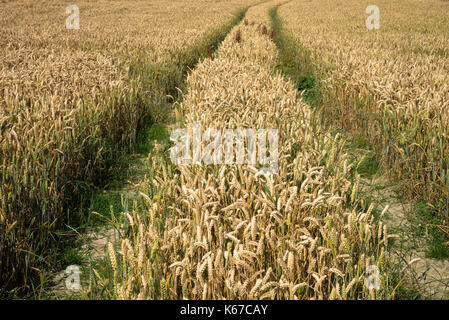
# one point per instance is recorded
(391, 84)
(226, 232)
(71, 99)
(73, 104)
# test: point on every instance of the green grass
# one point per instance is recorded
(294, 61)
(146, 137)
(368, 164)
(73, 256)
(105, 203)
(424, 221)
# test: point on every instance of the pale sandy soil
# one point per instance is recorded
(432, 275)
(95, 241)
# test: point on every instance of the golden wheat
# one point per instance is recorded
(225, 231)
(70, 100)
(390, 85)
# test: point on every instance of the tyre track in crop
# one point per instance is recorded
(94, 242)
(426, 277)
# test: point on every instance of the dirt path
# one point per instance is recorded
(430, 275)
(94, 240)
